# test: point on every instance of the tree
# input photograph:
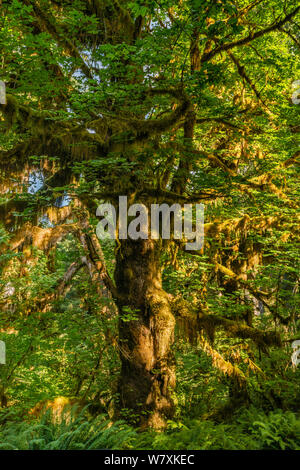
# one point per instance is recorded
(162, 103)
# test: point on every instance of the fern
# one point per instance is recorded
(251, 429)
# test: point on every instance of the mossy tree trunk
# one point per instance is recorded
(148, 371)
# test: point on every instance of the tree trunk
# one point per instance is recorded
(148, 370)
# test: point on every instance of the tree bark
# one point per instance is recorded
(147, 379)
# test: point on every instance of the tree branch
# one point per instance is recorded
(251, 37)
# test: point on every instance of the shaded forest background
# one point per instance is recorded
(140, 344)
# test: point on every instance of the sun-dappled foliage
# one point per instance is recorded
(137, 344)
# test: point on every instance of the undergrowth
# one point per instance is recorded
(252, 429)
